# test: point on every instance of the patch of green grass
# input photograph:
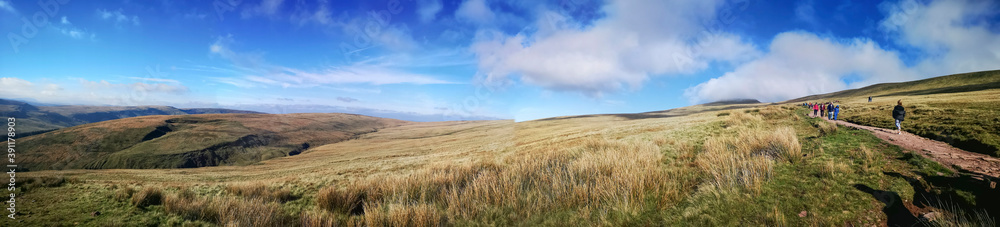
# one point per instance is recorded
(80, 204)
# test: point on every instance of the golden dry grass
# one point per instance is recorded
(745, 160)
(259, 190)
(226, 211)
(422, 174)
(147, 196)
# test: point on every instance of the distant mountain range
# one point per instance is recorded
(35, 119)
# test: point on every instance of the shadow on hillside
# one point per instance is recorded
(894, 208)
(944, 191)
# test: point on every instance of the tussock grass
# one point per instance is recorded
(347, 200)
(601, 174)
(951, 215)
(226, 211)
(741, 118)
(825, 128)
(252, 212)
(396, 214)
(832, 168)
(259, 190)
(732, 163)
(865, 156)
(124, 194)
(318, 218)
(148, 196)
(185, 204)
(774, 112)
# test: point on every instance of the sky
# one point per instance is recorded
(436, 60)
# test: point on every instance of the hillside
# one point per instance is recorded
(165, 141)
(962, 110)
(719, 164)
(36, 119)
(757, 166)
(965, 82)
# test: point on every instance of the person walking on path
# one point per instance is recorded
(829, 111)
(836, 112)
(822, 110)
(898, 113)
(869, 99)
(815, 110)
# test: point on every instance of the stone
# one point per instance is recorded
(930, 217)
(803, 214)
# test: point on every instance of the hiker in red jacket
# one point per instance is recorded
(815, 107)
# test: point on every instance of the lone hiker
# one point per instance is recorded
(869, 99)
(899, 113)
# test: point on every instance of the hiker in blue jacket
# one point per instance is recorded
(836, 112)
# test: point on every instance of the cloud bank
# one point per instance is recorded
(951, 36)
(636, 40)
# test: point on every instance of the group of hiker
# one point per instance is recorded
(832, 111)
(828, 109)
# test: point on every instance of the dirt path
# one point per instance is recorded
(938, 151)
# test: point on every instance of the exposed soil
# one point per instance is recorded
(979, 164)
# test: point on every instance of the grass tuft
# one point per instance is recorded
(345, 201)
(259, 190)
(148, 196)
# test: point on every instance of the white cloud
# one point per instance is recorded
(75, 33)
(255, 70)
(66, 27)
(265, 8)
(82, 91)
(51, 89)
(800, 64)
(118, 17)
(5, 5)
(951, 36)
(11, 83)
(476, 11)
(953, 33)
(155, 80)
(428, 9)
(157, 87)
(619, 51)
(134, 87)
(805, 12)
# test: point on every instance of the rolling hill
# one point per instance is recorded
(166, 141)
(965, 82)
(717, 164)
(36, 119)
(962, 109)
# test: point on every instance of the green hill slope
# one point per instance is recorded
(190, 141)
(962, 109)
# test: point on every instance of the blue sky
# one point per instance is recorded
(478, 59)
